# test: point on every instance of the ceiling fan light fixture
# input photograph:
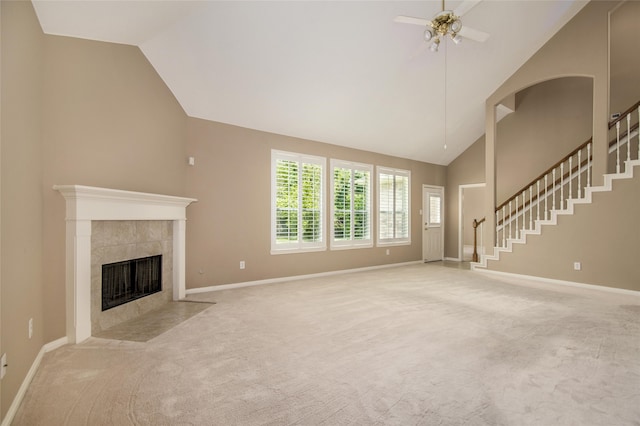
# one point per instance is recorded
(456, 25)
(435, 45)
(428, 34)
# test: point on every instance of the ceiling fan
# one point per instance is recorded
(445, 23)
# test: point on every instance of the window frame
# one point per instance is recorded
(395, 241)
(351, 243)
(299, 246)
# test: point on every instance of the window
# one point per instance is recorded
(435, 209)
(351, 204)
(296, 202)
(394, 218)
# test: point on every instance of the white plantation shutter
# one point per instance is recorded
(296, 202)
(350, 204)
(394, 219)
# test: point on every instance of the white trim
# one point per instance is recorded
(562, 282)
(461, 189)
(22, 391)
(453, 259)
(85, 204)
(295, 277)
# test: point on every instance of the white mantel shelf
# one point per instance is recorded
(85, 204)
(93, 203)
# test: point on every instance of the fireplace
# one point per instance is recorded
(125, 281)
(117, 247)
(157, 224)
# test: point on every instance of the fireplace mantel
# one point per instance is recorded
(85, 204)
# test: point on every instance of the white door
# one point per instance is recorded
(433, 223)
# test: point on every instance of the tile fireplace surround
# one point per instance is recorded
(85, 204)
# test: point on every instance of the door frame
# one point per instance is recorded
(422, 218)
(461, 189)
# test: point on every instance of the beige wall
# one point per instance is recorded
(625, 56)
(231, 220)
(21, 265)
(109, 121)
(602, 236)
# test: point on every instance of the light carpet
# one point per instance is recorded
(413, 345)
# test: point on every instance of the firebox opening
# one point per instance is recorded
(129, 280)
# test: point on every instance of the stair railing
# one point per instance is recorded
(550, 191)
(565, 180)
(626, 130)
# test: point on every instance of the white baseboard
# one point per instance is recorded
(293, 278)
(13, 409)
(55, 344)
(562, 282)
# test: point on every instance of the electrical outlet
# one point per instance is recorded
(388, 252)
(577, 266)
(30, 328)
(242, 264)
(3, 365)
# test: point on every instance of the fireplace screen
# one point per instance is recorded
(132, 279)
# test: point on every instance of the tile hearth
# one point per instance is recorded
(154, 323)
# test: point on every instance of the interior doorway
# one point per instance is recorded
(471, 206)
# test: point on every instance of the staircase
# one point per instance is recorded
(558, 190)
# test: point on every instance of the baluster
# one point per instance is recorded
(618, 147)
(504, 227)
(562, 186)
(516, 236)
(531, 207)
(628, 140)
(538, 200)
(580, 174)
(497, 228)
(482, 239)
(546, 196)
(510, 219)
(553, 193)
(589, 165)
(524, 214)
(570, 178)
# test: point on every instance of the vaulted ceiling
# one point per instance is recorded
(340, 72)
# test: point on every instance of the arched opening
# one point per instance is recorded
(549, 120)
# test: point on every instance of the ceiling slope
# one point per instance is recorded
(340, 72)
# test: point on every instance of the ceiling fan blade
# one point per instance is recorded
(411, 20)
(472, 34)
(465, 7)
